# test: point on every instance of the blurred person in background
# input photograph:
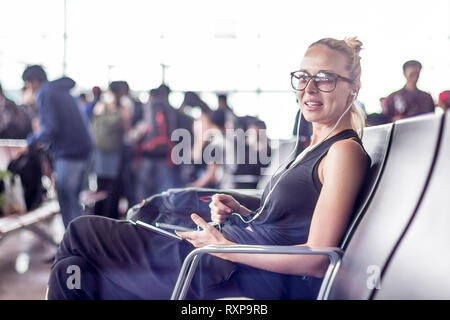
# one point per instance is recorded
(89, 106)
(176, 119)
(210, 149)
(83, 100)
(109, 122)
(444, 100)
(27, 101)
(151, 135)
(15, 121)
(257, 155)
(230, 116)
(211, 168)
(128, 171)
(375, 118)
(63, 129)
(409, 101)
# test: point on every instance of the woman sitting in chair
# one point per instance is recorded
(308, 203)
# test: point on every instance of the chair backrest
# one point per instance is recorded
(420, 265)
(407, 167)
(376, 143)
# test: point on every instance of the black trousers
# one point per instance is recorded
(83, 282)
(102, 258)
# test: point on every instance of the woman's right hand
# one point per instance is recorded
(222, 206)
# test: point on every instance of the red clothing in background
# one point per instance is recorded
(404, 104)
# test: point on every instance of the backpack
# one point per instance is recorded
(156, 142)
(108, 131)
(29, 168)
(174, 206)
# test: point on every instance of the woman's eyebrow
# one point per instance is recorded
(326, 71)
(320, 71)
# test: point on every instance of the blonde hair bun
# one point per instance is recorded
(354, 43)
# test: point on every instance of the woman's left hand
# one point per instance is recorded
(209, 234)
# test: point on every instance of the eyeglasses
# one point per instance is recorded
(324, 81)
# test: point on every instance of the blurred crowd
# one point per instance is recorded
(134, 144)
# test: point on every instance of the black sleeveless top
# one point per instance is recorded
(286, 218)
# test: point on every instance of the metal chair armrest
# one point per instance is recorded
(190, 263)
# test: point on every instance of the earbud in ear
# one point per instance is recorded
(353, 93)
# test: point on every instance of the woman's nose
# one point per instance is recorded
(311, 86)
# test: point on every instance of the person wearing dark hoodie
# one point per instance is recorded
(64, 130)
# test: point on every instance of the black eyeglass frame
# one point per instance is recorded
(335, 75)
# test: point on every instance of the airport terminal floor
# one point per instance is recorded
(25, 262)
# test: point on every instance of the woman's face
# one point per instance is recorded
(325, 107)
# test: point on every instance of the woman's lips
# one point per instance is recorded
(313, 105)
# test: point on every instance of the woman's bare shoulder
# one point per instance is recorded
(347, 151)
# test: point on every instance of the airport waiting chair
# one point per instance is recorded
(412, 149)
(419, 265)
